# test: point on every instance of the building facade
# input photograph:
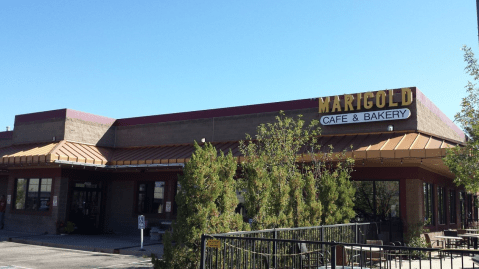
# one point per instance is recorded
(101, 173)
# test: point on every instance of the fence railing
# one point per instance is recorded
(220, 251)
(348, 233)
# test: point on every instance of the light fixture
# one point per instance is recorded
(401, 161)
(203, 140)
(390, 128)
(381, 160)
(421, 160)
(363, 162)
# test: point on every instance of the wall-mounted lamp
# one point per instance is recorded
(203, 140)
(390, 128)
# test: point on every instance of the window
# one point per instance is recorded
(151, 197)
(452, 206)
(441, 205)
(33, 194)
(428, 204)
(376, 200)
(462, 205)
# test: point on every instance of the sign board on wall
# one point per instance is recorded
(364, 117)
(141, 222)
(55, 200)
(168, 206)
(9, 199)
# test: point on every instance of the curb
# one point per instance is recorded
(127, 251)
(57, 245)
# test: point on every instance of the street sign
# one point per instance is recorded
(213, 243)
(141, 222)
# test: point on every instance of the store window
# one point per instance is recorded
(428, 204)
(462, 208)
(376, 200)
(33, 194)
(441, 205)
(452, 206)
(151, 197)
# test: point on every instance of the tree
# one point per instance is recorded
(463, 161)
(206, 205)
(279, 191)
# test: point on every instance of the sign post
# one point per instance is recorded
(141, 226)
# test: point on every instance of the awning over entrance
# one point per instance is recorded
(387, 145)
(81, 153)
(26, 154)
(412, 148)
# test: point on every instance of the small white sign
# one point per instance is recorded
(9, 199)
(168, 207)
(55, 200)
(361, 117)
(141, 222)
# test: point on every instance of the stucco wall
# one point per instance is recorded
(89, 132)
(432, 120)
(233, 128)
(39, 131)
(119, 208)
(414, 198)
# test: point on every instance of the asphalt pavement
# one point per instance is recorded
(25, 256)
(111, 243)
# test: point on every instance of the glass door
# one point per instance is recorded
(85, 210)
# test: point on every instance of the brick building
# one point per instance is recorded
(101, 173)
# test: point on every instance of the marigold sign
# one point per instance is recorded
(365, 101)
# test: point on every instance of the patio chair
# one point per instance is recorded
(433, 243)
(454, 243)
(374, 257)
(308, 258)
(343, 257)
(437, 244)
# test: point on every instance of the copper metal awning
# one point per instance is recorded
(26, 154)
(382, 146)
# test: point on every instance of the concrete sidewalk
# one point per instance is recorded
(117, 244)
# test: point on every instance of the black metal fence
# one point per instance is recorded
(258, 253)
(348, 233)
(331, 246)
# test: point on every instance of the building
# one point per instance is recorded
(101, 173)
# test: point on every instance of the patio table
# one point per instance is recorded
(449, 239)
(474, 238)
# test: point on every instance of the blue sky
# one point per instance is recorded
(124, 59)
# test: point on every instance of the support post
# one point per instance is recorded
(333, 255)
(203, 251)
(275, 247)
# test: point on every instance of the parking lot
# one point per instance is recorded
(17, 255)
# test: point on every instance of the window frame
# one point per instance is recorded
(149, 193)
(452, 207)
(38, 197)
(441, 205)
(428, 203)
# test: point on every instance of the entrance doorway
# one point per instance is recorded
(85, 210)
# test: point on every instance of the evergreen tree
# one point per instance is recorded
(280, 191)
(206, 204)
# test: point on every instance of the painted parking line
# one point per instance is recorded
(13, 267)
(123, 264)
